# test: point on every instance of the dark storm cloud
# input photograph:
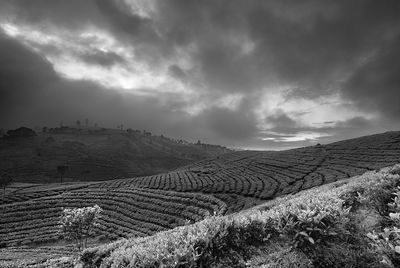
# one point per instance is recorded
(282, 123)
(32, 93)
(309, 48)
(232, 125)
(376, 85)
(22, 74)
(60, 13)
(309, 43)
(177, 72)
(133, 27)
(102, 58)
(313, 49)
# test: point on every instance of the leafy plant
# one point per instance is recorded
(387, 242)
(77, 224)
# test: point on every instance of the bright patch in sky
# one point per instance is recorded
(301, 136)
(143, 8)
(132, 74)
(69, 47)
(305, 113)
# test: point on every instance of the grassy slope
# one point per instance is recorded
(96, 156)
(326, 225)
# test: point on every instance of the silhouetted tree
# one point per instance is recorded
(22, 132)
(5, 180)
(44, 129)
(78, 123)
(61, 170)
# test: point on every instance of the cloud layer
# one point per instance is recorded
(252, 74)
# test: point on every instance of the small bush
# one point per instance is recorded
(77, 224)
(387, 242)
(235, 242)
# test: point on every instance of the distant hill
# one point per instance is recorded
(94, 154)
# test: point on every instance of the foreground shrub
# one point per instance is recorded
(236, 241)
(77, 224)
(387, 242)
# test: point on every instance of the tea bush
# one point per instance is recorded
(387, 241)
(316, 222)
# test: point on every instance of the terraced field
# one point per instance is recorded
(127, 212)
(242, 179)
(229, 183)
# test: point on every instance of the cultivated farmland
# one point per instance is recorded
(225, 184)
(244, 178)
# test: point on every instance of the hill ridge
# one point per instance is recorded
(95, 154)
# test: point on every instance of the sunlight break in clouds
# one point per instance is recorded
(69, 48)
(300, 136)
(314, 114)
(143, 8)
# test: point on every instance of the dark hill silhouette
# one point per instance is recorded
(22, 132)
(72, 154)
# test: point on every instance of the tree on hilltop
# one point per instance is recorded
(22, 132)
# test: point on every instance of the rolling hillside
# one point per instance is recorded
(96, 154)
(228, 183)
(243, 179)
(349, 223)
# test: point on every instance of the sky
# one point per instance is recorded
(265, 75)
